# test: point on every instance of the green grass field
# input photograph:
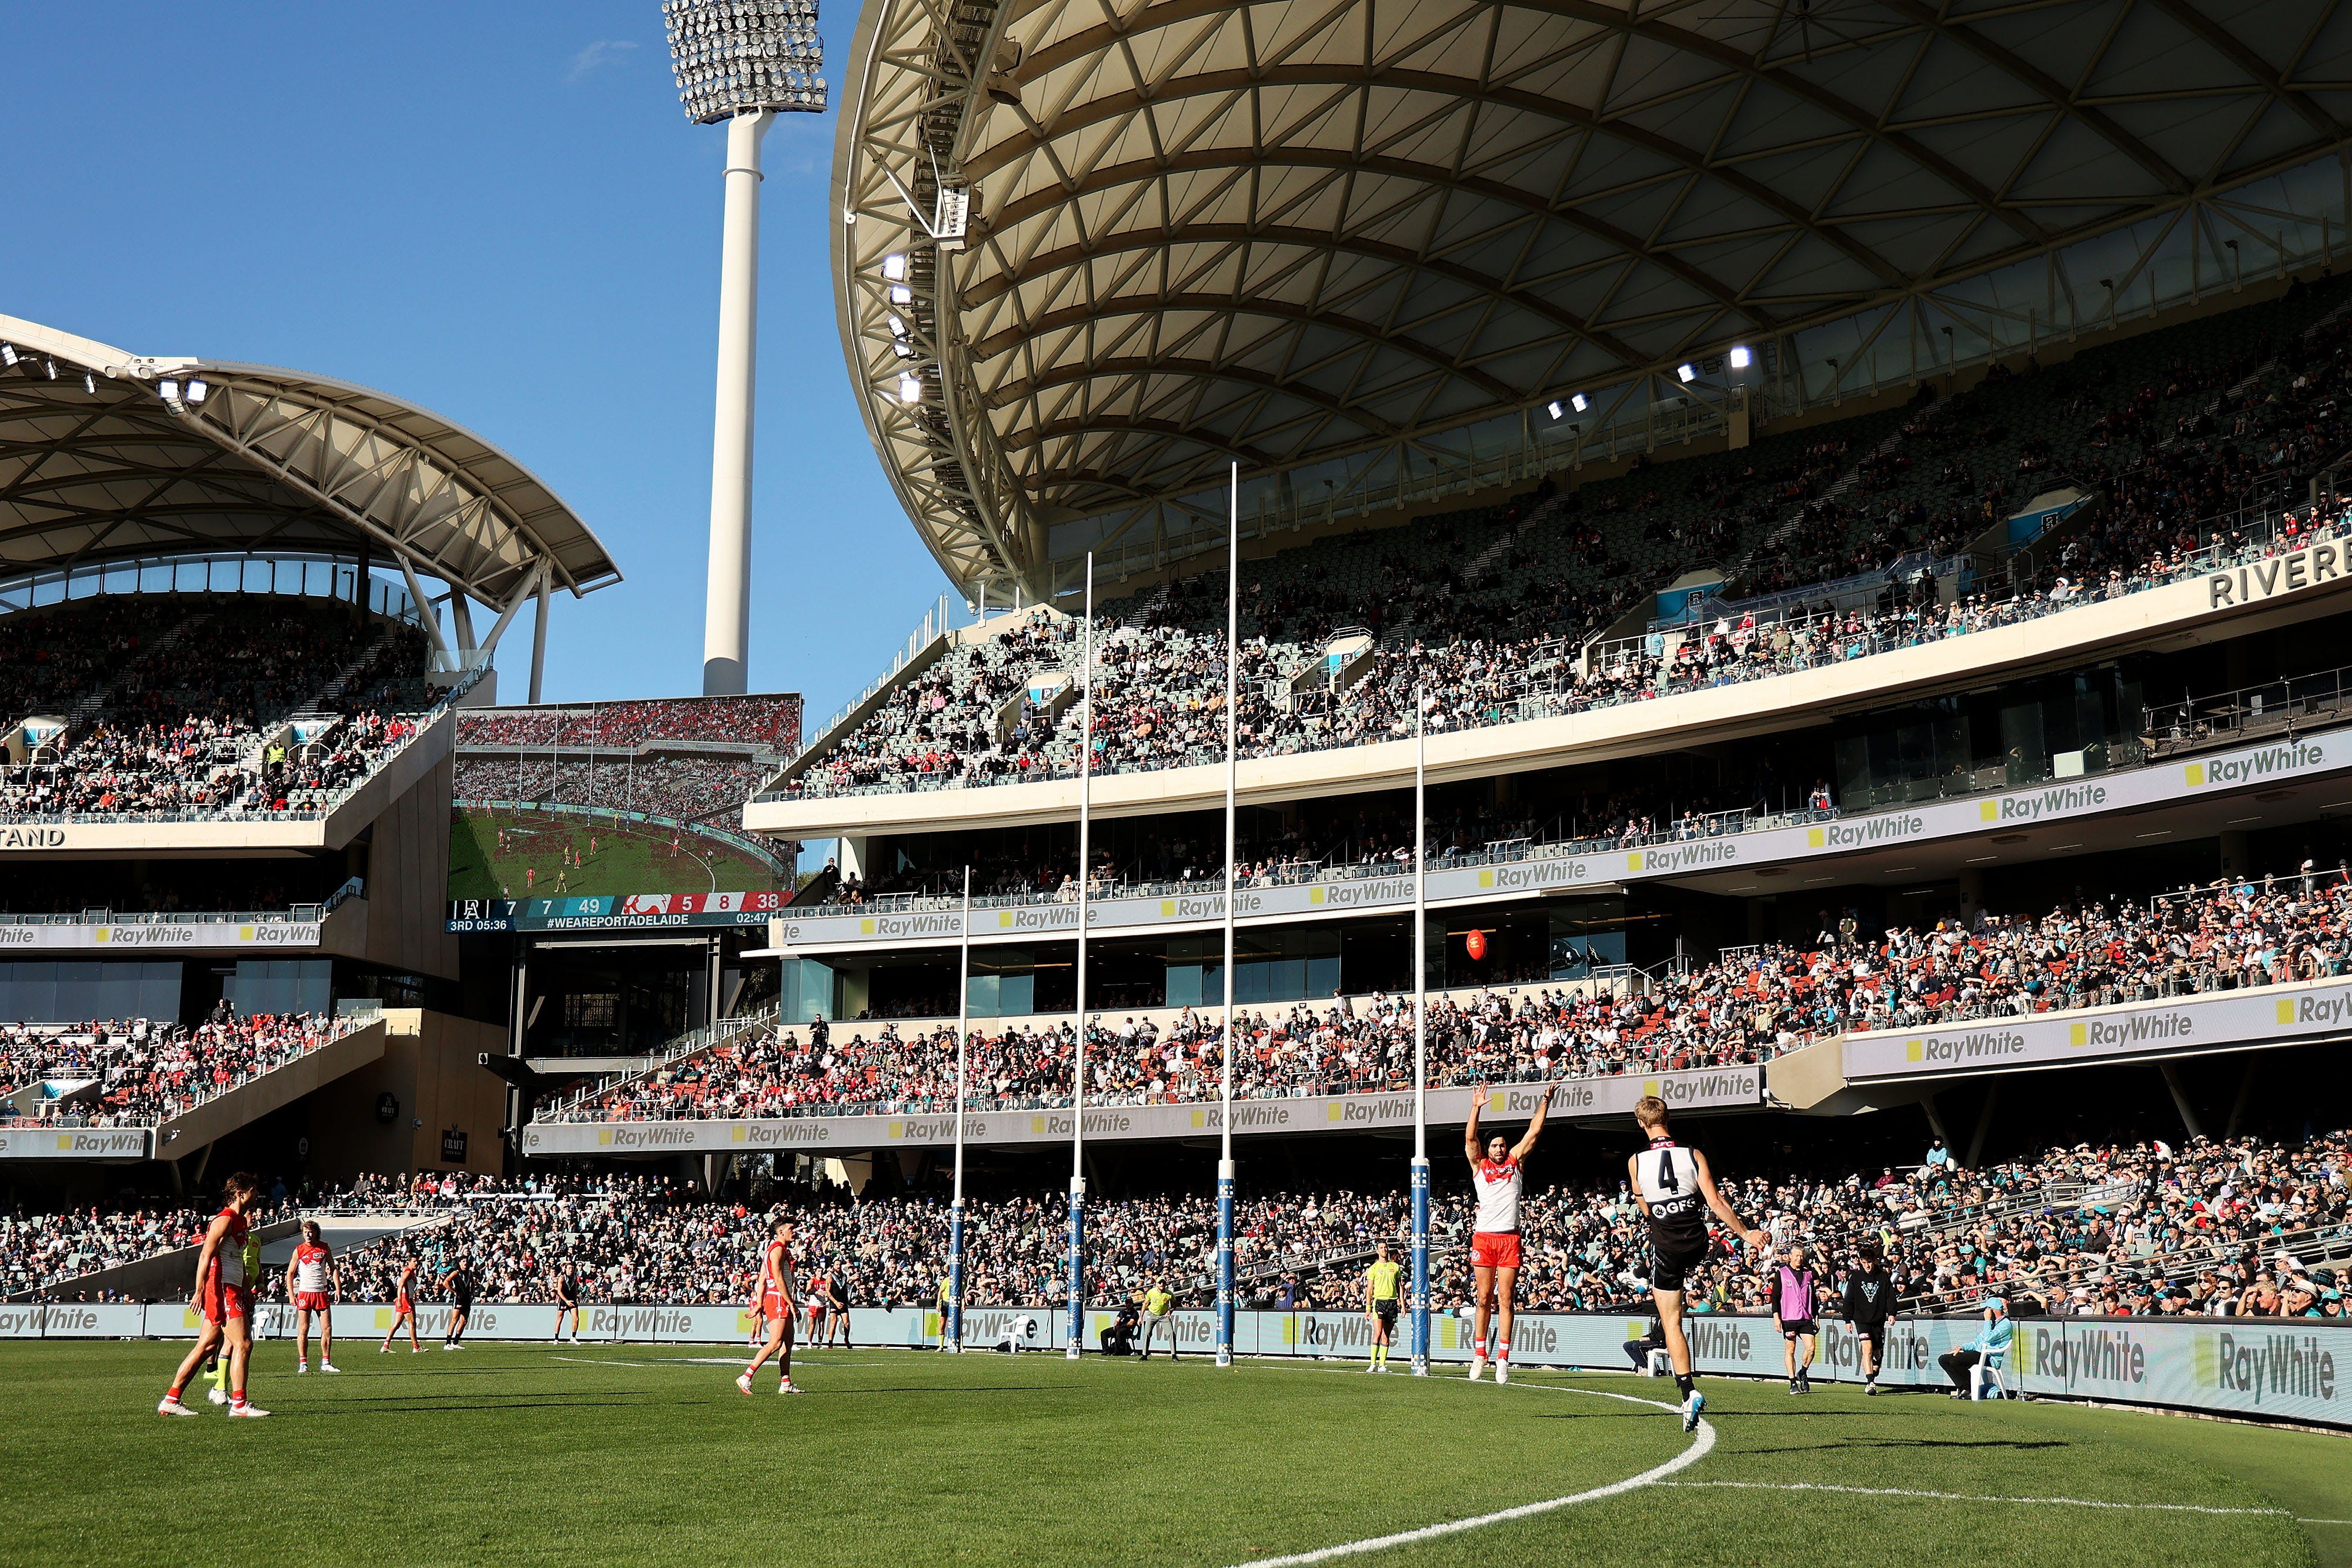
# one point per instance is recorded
(644, 1453)
(626, 859)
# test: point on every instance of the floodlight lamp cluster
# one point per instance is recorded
(735, 55)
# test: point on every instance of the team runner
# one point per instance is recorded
(1869, 1301)
(776, 1304)
(225, 1297)
(1380, 1302)
(1796, 1296)
(403, 1309)
(311, 1286)
(1499, 1175)
(836, 1291)
(1677, 1189)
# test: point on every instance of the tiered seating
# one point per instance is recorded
(180, 703)
(664, 784)
(769, 722)
(141, 1072)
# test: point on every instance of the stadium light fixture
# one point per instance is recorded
(89, 383)
(911, 388)
(1688, 373)
(1556, 409)
(1741, 357)
(1578, 403)
(893, 267)
(9, 355)
(742, 61)
(197, 390)
(901, 294)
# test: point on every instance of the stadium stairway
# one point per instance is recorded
(202, 1124)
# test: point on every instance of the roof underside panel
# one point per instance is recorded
(1300, 234)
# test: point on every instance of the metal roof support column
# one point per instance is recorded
(538, 638)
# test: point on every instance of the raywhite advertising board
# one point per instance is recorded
(1581, 1098)
(51, 1142)
(2126, 789)
(2217, 1020)
(160, 935)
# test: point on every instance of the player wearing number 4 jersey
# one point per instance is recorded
(1499, 1175)
(1676, 1190)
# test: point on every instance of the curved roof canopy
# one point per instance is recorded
(97, 463)
(1204, 232)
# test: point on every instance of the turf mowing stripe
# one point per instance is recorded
(1698, 1450)
(1971, 1497)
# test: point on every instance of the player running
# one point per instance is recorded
(225, 1297)
(1499, 1175)
(1677, 1189)
(776, 1305)
(311, 1286)
(403, 1309)
(1381, 1300)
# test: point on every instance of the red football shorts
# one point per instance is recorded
(402, 1307)
(1493, 1249)
(312, 1301)
(773, 1306)
(222, 1303)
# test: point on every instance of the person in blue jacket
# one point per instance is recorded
(1991, 1340)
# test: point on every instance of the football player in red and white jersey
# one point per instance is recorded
(1497, 1173)
(225, 1297)
(779, 1307)
(311, 1286)
(403, 1309)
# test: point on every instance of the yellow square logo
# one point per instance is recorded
(104, 933)
(1633, 861)
(1004, 920)
(1989, 810)
(1313, 896)
(65, 1142)
(931, 1325)
(2208, 1361)
(2196, 775)
(1289, 1328)
(1036, 1126)
(1199, 1118)
(1486, 879)
(384, 1320)
(605, 1138)
(1815, 838)
(1337, 1111)
(865, 928)
(1636, 1329)
(1167, 908)
(1449, 1333)
(747, 1322)
(897, 1130)
(1649, 1087)
(2078, 1034)
(1912, 1050)
(245, 933)
(2285, 1011)
(739, 1134)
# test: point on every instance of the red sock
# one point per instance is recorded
(175, 1394)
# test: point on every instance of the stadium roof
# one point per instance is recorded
(1292, 236)
(97, 463)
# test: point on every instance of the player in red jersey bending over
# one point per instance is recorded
(403, 1309)
(776, 1305)
(225, 1297)
(1494, 1238)
(311, 1286)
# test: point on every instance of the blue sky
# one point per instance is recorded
(500, 212)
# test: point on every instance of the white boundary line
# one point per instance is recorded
(1974, 1497)
(1698, 1450)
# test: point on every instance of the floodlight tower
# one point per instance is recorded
(742, 61)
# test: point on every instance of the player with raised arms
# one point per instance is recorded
(1676, 1190)
(778, 1307)
(225, 1297)
(311, 1286)
(1496, 1172)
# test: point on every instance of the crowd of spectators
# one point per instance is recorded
(770, 724)
(138, 1072)
(1747, 1005)
(191, 697)
(682, 786)
(2176, 465)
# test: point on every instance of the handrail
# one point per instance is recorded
(688, 1044)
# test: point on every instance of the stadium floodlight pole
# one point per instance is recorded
(1077, 1322)
(1225, 1114)
(1420, 1038)
(742, 61)
(952, 1329)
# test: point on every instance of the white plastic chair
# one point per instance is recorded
(1660, 1365)
(1985, 1381)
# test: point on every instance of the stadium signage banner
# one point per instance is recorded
(623, 911)
(1581, 1098)
(2126, 789)
(2218, 1020)
(55, 1143)
(2289, 1369)
(198, 934)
